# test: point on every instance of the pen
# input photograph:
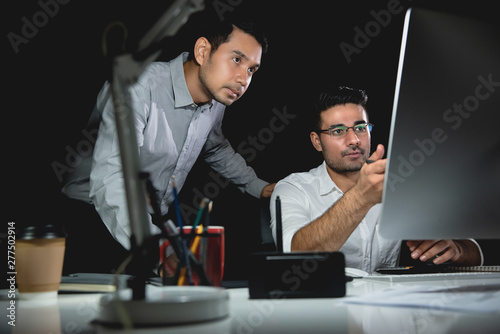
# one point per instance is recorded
(279, 226)
(177, 206)
(181, 231)
(370, 161)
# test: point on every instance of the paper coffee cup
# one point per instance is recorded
(39, 261)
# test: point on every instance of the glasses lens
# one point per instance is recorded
(360, 127)
(338, 131)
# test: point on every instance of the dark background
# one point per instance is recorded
(53, 79)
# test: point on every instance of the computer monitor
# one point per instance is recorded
(443, 174)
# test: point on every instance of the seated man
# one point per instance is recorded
(335, 207)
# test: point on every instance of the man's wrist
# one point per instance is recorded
(357, 196)
(470, 254)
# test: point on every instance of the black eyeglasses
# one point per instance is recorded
(339, 131)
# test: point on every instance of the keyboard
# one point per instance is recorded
(433, 276)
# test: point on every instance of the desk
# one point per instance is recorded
(74, 313)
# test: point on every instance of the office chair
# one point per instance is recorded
(266, 237)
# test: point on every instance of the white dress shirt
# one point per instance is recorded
(306, 196)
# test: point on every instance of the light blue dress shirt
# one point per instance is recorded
(172, 131)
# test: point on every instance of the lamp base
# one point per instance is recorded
(164, 306)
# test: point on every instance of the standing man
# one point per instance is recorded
(178, 108)
(335, 207)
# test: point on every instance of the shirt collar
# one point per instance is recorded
(326, 184)
(182, 97)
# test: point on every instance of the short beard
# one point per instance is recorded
(204, 79)
(343, 169)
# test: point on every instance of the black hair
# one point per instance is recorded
(219, 33)
(337, 96)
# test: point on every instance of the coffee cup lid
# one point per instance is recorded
(40, 232)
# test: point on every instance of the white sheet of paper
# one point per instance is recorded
(470, 298)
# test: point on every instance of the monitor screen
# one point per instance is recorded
(443, 173)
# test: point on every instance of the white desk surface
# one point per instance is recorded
(74, 313)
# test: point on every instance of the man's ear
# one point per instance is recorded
(316, 141)
(202, 49)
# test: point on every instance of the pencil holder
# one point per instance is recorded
(208, 248)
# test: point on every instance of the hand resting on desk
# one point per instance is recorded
(460, 252)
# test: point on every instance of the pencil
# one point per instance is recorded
(204, 240)
(194, 247)
(199, 215)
